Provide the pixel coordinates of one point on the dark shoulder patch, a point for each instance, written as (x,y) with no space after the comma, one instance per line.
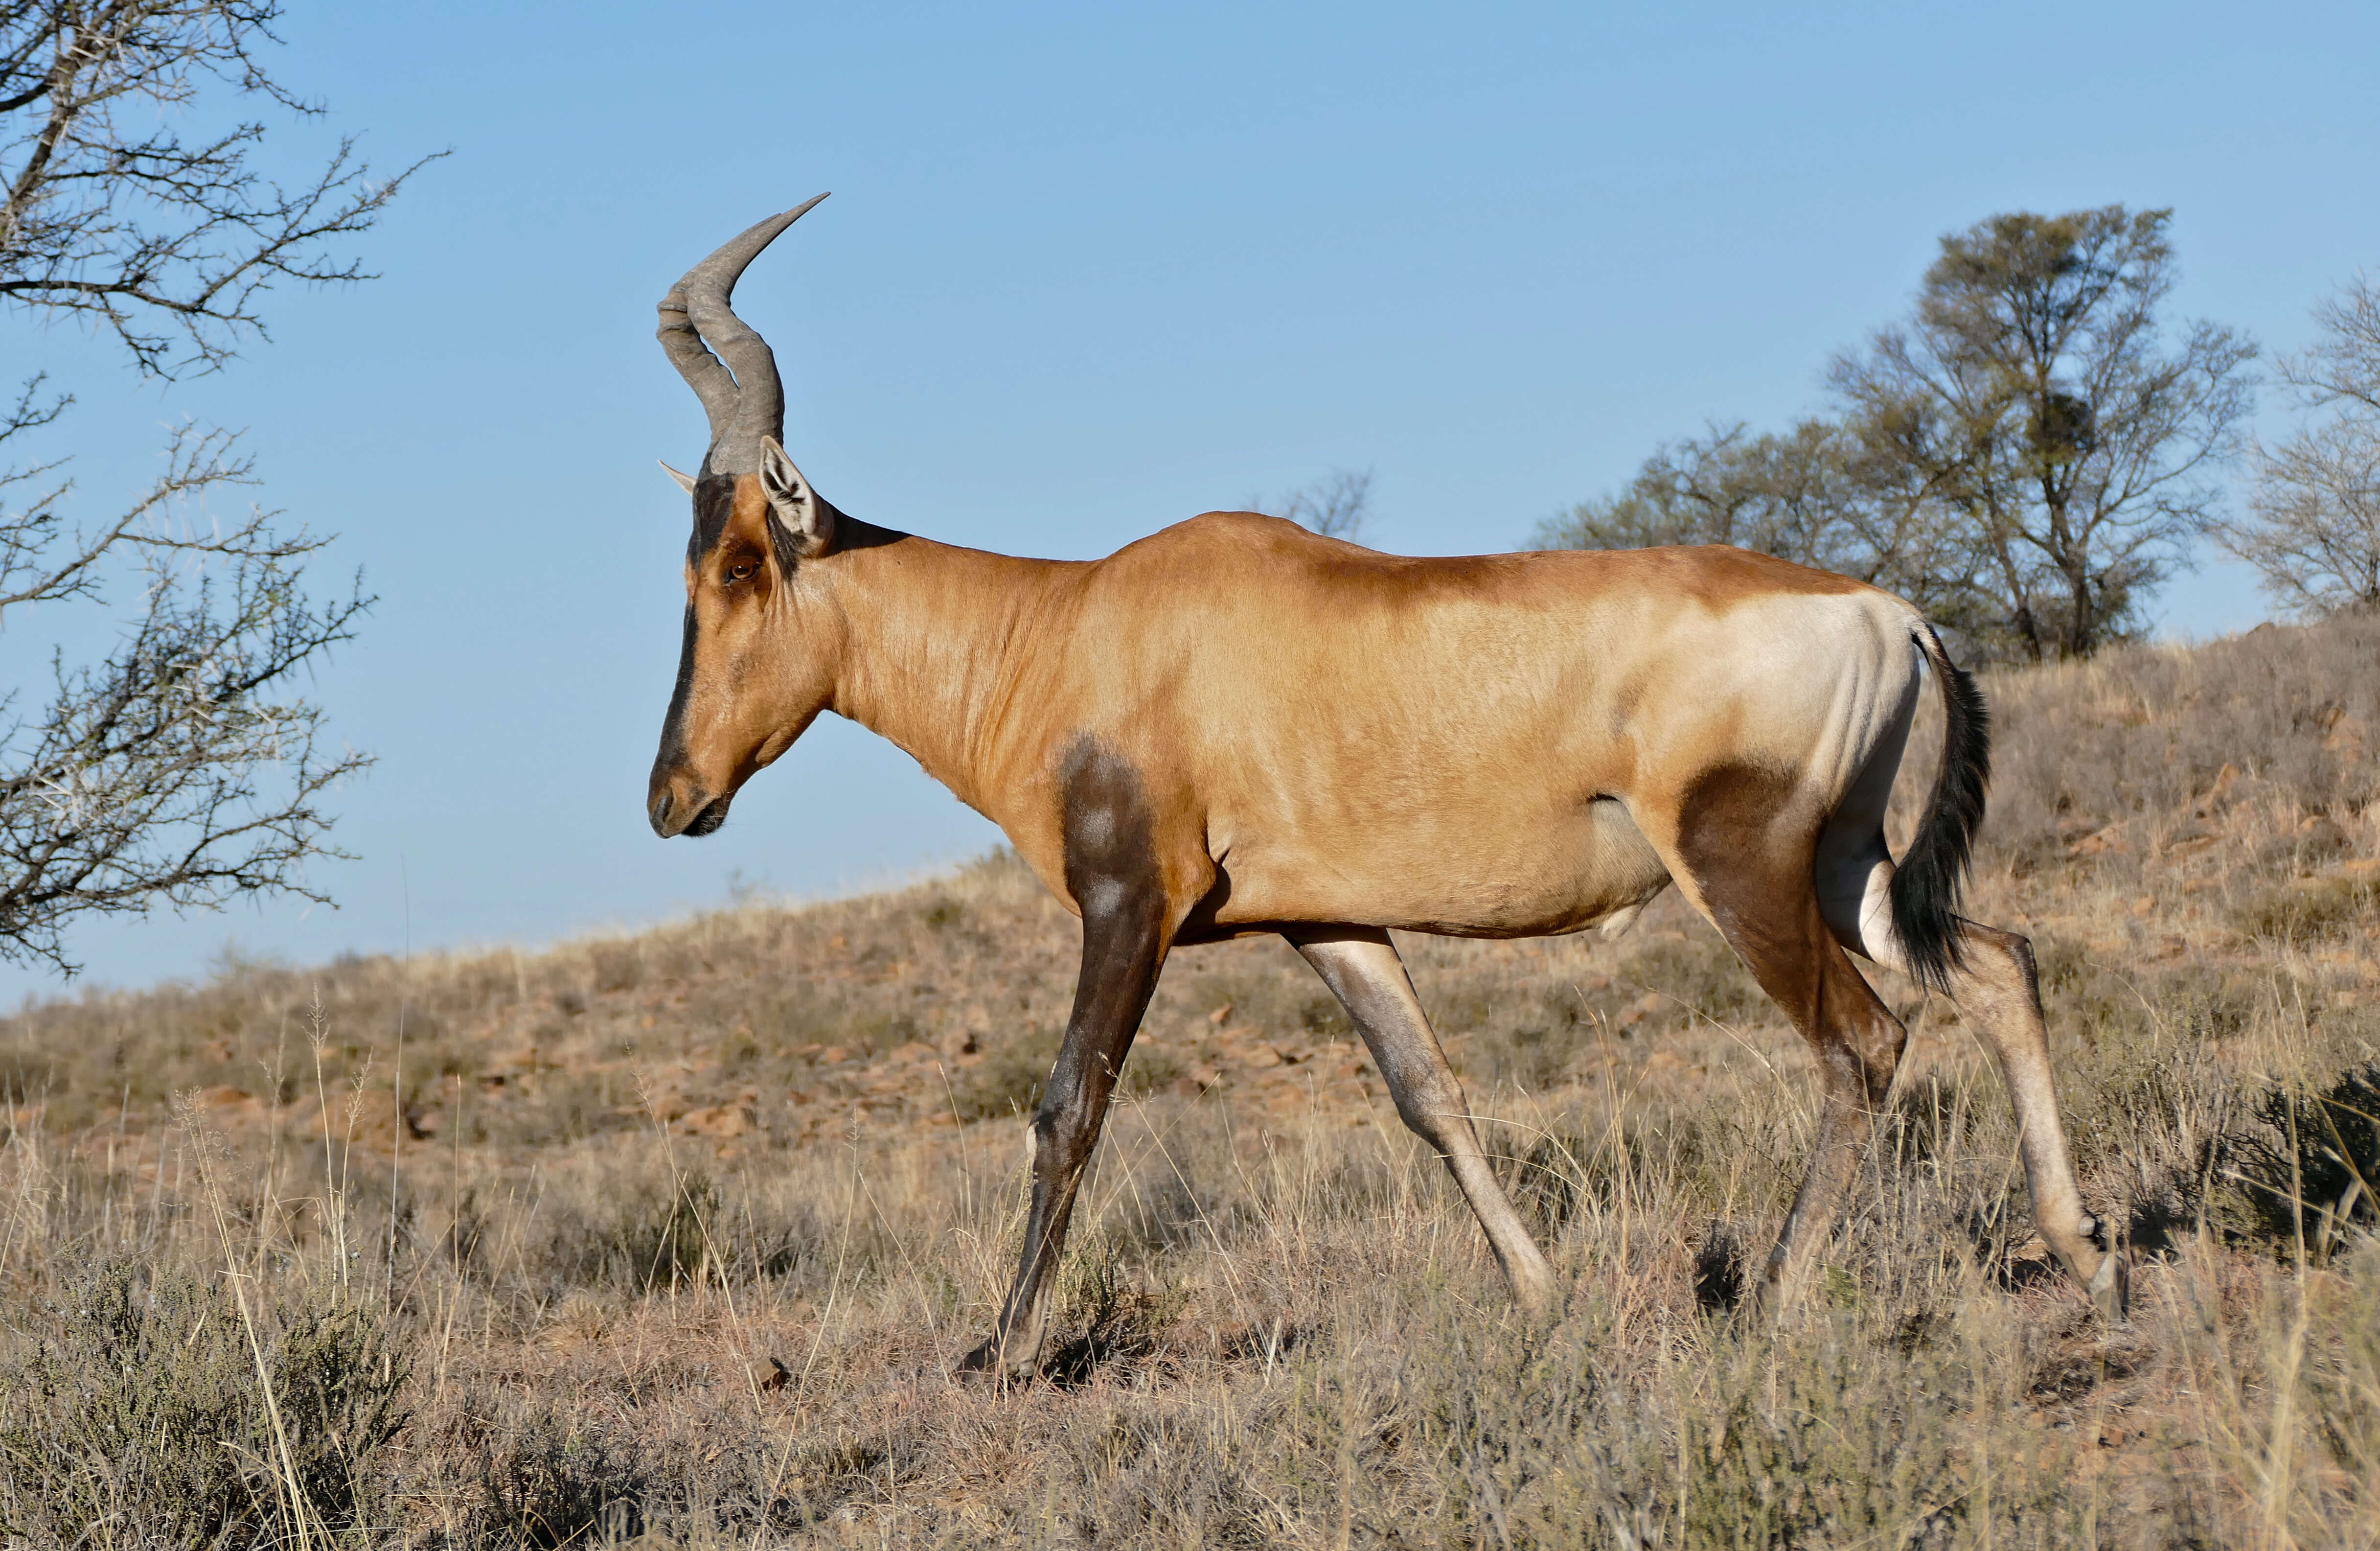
(1110,832)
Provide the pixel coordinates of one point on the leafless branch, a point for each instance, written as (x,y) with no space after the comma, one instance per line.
(181,769)
(2312,528)
(168,243)
(2343,366)
(1335,506)
(186,766)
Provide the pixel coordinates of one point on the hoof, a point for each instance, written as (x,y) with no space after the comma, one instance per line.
(1761,1309)
(1540,1305)
(987,1364)
(2110,1287)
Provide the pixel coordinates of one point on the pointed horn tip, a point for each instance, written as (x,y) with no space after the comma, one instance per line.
(726,262)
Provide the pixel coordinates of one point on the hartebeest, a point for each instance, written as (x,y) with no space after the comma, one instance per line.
(1235,727)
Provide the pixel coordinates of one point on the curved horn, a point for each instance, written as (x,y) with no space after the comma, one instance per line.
(738,387)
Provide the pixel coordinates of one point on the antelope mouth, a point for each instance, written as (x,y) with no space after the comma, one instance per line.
(703,819)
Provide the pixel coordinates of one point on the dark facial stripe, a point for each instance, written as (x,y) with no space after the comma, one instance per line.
(672,750)
(714,504)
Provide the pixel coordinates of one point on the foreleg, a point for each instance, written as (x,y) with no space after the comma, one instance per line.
(1129,916)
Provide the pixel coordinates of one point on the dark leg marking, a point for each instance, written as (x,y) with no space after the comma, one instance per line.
(1750,849)
(1113,873)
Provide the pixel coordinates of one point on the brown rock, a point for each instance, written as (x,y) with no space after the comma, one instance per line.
(722,1120)
(369,1120)
(1642,1009)
(2322,835)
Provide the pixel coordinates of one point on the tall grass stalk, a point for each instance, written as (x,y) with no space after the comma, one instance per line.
(203,1145)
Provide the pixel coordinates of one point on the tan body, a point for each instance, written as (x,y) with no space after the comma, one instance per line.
(1334,735)
(1234,727)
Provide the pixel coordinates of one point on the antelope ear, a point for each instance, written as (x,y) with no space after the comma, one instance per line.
(684,481)
(807,520)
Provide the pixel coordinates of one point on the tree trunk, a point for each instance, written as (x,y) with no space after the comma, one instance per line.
(2082,628)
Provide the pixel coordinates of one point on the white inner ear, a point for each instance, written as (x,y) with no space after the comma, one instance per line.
(790,497)
(684,481)
(784,484)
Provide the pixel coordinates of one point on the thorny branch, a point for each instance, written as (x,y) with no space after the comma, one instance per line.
(108,211)
(2312,527)
(184,766)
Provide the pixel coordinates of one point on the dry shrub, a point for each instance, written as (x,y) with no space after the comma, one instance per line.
(137,1417)
(2172,738)
(547,1481)
(674,1238)
(2303,1172)
(2302,915)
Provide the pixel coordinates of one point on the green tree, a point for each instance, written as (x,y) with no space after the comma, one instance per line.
(2025,458)
(1814,494)
(2036,401)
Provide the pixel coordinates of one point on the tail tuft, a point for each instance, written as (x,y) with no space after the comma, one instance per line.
(1926,885)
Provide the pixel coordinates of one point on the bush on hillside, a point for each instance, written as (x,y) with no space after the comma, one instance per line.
(138,1417)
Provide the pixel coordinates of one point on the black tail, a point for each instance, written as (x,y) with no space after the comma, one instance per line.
(1925,886)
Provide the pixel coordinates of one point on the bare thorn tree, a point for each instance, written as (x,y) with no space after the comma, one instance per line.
(112,214)
(183,767)
(2314,525)
(2343,366)
(1334,506)
(2025,458)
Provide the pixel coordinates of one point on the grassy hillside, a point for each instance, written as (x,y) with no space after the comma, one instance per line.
(676,1235)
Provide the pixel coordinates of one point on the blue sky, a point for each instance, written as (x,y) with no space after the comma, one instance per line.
(1089,270)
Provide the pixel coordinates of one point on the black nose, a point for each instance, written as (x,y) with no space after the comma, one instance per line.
(659,812)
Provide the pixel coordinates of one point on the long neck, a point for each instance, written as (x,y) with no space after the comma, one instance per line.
(932,635)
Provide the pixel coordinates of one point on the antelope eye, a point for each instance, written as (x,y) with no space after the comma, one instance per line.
(741,571)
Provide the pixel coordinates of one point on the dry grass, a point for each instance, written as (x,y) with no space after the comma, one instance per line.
(674,1237)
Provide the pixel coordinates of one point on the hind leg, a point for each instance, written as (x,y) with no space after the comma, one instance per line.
(1995,984)
(1742,846)
(1362,968)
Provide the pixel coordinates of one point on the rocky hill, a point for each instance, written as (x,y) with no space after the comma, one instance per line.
(677,1231)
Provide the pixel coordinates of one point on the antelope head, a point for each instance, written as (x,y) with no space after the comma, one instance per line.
(746,686)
